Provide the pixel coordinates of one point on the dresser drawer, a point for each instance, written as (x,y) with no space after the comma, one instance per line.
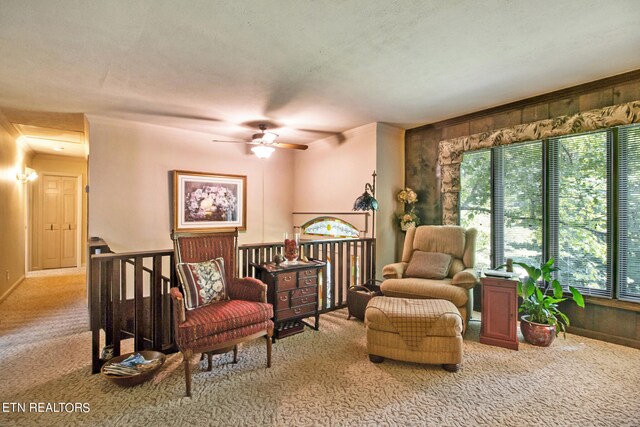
(307,281)
(309,299)
(312,290)
(308,273)
(282,301)
(286,281)
(303,310)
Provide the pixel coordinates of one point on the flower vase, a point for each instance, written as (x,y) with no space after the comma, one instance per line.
(291,247)
(407,225)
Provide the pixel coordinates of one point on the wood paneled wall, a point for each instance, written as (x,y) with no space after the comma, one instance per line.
(608,320)
(421,144)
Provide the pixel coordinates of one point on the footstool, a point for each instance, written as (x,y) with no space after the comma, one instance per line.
(414,330)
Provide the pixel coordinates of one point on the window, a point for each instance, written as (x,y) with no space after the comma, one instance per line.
(517,203)
(578,211)
(574,198)
(329,227)
(507,208)
(628,213)
(475,202)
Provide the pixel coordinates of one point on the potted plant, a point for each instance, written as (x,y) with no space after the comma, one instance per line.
(542,320)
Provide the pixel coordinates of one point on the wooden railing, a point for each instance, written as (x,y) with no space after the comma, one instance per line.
(349,262)
(129,298)
(129,292)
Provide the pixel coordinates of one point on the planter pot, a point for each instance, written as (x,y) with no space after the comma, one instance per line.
(537,333)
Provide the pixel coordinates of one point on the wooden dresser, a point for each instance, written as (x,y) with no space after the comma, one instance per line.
(293,291)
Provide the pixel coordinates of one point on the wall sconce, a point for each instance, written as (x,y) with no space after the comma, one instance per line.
(27,176)
(368,202)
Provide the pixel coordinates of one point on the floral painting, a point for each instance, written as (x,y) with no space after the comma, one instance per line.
(205,201)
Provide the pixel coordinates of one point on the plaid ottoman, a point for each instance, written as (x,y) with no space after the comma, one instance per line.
(414,330)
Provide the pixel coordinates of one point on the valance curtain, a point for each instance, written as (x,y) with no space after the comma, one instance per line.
(451,150)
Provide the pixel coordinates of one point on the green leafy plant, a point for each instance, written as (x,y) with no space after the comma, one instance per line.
(540,303)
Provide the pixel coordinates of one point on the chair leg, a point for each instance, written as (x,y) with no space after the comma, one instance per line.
(235,353)
(269,335)
(186,355)
(209,357)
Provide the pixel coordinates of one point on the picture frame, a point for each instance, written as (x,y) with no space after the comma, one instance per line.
(209,201)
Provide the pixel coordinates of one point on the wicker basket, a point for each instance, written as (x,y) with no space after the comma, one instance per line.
(358,297)
(131,380)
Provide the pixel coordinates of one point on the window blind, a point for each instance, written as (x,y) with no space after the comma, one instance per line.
(518,202)
(579,181)
(629,213)
(497,206)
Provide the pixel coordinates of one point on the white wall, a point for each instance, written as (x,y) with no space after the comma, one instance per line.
(13,195)
(130,182)
(390,167)
(332,173)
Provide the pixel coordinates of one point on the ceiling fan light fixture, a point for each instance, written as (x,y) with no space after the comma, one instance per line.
(269,137)
(266,137)
(262,151)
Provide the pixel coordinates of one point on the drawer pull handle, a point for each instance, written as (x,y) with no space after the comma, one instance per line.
(305,291)
(287,278)
(297,310)
(283,298)
(304,300)
(308,282)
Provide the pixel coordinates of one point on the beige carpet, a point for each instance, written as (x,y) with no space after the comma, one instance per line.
(317,378)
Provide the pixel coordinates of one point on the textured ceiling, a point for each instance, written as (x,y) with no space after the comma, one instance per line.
(312,67)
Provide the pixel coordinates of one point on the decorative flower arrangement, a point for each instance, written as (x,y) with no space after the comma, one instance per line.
(409,218)
(407,196)
(210,202)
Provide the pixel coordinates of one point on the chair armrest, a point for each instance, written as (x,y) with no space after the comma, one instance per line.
(466,279)
(248,289)
(178,305)
(394,271)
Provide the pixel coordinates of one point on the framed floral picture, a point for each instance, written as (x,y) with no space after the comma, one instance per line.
(205,201)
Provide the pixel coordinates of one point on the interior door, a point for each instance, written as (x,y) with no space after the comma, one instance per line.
(68,222)
(51,208)
(59,219)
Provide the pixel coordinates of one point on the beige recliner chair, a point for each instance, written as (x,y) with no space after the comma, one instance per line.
(435,242)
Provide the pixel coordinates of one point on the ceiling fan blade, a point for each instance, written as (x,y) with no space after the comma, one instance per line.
(285,145)
(234,142)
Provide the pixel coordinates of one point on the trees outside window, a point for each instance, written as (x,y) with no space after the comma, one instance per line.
(629,213)
(475,201)
(578,210)
(574,198)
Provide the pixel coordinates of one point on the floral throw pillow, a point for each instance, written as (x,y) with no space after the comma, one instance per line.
(202,282)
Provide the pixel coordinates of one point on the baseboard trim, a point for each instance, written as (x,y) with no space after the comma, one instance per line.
(11,289)
(627,342)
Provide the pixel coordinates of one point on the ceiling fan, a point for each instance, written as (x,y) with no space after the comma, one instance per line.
(264,143)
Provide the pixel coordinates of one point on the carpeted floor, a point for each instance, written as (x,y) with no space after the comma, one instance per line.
(317,378)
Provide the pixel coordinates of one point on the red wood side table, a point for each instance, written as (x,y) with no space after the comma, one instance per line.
(499,325)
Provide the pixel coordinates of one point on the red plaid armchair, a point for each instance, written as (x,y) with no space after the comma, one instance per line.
(219,326)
